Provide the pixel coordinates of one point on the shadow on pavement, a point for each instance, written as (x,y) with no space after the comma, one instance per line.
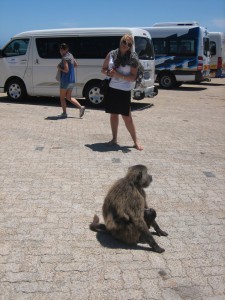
(55,118)
(196,86)
(54,101)
(185,88)
(108,241)
(106,147)
(140,106)
(42,101)
(209,83)
(190,89)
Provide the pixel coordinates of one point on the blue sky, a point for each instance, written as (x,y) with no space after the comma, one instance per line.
(22,15)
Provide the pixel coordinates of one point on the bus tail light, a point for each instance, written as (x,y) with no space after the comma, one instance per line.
(200,63)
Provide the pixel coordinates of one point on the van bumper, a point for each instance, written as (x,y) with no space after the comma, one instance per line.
(139,94)
(205,76)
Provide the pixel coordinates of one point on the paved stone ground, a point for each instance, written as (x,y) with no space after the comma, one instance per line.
(55,173)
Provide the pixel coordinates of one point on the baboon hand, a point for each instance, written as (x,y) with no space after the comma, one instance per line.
(158,249)
(160,232)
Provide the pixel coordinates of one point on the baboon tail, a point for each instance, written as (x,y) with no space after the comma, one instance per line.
(96,226)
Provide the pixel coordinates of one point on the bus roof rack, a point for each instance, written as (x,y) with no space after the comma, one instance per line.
(165,24)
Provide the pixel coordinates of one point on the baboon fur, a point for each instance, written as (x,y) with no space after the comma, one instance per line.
(125,211)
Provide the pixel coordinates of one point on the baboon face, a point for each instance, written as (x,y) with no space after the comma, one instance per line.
(139,176)
(146,181)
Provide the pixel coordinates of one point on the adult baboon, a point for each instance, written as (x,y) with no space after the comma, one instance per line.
(125,211)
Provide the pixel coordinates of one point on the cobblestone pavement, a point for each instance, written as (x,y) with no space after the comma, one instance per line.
(55,173)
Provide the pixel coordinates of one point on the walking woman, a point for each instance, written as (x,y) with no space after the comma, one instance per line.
(122,66)
(67,80)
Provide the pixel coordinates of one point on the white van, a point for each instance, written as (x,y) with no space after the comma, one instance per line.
(181,53)
(28,61)
(217,51)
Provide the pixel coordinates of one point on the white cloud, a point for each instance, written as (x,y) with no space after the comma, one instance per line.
(220,23)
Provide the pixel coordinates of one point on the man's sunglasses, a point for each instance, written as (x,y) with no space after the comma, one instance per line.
(127,44)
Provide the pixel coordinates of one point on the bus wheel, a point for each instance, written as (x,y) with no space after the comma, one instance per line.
(166,81)
(92,94)
(16,89)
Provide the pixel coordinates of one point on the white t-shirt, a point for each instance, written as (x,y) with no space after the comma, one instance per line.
(119,83)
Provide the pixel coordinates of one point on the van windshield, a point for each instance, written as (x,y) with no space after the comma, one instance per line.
(16,47)
(144,48)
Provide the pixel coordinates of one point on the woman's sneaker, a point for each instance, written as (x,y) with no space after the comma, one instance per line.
(82,110)
(63,116)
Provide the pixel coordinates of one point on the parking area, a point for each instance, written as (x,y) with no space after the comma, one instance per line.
(55,173)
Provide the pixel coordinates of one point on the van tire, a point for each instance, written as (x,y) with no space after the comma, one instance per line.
(16,90)
(92,94)
(167,81)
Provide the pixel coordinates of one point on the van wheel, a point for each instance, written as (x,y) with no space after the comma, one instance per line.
(16,89)
(166,81)
(92,94)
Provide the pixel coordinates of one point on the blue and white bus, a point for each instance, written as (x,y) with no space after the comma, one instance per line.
(182,53)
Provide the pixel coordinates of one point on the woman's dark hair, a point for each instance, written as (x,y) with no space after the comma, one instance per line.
(64,46)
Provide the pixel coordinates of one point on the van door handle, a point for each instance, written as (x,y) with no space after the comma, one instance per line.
(36,61)
(23,60)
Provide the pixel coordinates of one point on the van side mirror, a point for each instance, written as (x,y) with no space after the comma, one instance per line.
(1,53)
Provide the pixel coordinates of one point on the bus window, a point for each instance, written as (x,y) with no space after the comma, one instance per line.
(159,46)
(186,47)
(172,47)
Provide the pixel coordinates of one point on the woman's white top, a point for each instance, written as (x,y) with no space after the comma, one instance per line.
(119,83)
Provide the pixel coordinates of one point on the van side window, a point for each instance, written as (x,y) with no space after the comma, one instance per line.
(80,47)
(206,46)
(49,47)
(212,48)
(16,48)
(95,46)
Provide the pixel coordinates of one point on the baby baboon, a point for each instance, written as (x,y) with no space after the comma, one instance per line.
(125,211)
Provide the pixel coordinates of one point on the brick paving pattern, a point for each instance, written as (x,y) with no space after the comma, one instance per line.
(55,173)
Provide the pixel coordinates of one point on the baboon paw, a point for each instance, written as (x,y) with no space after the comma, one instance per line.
(161,233)
(164,233)
(158,249)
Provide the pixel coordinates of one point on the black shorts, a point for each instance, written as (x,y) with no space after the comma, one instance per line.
(118,102)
